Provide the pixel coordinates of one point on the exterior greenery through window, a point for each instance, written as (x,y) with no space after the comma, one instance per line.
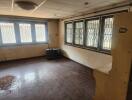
(16,32)
(93,33)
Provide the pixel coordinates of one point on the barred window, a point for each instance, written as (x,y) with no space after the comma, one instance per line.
(107,35)
(69,32)
(18,32)
(92,32)
(40,32)
(25,32)
(79,33)
(7,33)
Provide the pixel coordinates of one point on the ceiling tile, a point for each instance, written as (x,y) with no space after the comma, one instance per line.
(55,8)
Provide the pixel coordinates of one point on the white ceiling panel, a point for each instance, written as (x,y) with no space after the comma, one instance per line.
(5,3)
(54,8)
(99,3)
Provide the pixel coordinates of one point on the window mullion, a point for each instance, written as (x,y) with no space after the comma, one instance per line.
(73,33)
(85,34)
(100,34)
(65,33)
(0,38)
(46,32)
(17,33)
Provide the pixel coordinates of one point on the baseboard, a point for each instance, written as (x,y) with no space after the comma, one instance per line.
(10,60)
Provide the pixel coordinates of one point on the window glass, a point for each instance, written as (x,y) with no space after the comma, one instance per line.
(69,33)
(92,33)
(7,33)
(40,32)
(79,33)
(25,32)
(107,36)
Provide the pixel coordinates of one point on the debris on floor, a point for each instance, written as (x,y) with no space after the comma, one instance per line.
(6,82)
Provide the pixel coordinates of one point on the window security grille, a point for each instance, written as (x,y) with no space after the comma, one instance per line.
(107,36)
(79,33)
(69,31)
(92,33)
(7,33)
(40,32)
(25,33)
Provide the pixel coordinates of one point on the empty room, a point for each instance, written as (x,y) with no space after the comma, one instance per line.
(65,50)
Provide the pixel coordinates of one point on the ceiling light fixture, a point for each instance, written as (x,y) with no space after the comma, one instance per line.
(86,3)
(26,5)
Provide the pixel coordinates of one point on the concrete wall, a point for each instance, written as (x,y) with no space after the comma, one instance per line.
(27,51)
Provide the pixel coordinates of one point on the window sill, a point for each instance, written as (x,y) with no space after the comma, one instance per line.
(90,48)
(23,44)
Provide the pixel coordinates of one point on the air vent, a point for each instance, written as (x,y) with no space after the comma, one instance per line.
(26,5)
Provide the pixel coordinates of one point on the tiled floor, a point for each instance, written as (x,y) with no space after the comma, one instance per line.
(41,79)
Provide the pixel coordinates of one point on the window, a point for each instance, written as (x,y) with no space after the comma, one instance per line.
(25,33)
(7,33)
(92,32)
(107,35)
(40,32)
(79,33)
(69,33)
(18,32)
